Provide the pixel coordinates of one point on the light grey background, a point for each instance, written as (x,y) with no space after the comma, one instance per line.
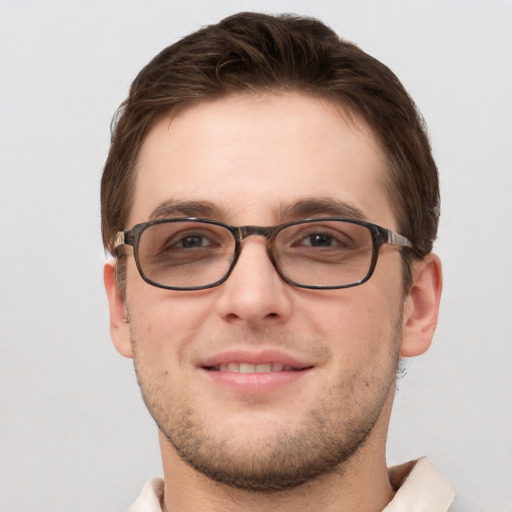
(74,434)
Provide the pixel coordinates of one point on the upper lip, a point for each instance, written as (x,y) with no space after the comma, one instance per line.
(254,357)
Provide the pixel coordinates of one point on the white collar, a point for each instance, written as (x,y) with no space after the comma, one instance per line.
(421,488)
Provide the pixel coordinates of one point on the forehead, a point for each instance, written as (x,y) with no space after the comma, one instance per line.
(252,156)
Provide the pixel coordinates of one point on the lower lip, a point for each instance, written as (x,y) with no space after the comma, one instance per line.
(255,383)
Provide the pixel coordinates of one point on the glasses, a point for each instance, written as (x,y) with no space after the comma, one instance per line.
(195,254)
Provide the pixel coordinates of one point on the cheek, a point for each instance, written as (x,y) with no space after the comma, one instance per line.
(163,322)
(358,323)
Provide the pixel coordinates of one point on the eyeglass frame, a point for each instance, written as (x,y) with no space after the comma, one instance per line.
(380,236)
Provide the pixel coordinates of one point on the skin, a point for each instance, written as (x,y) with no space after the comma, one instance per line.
(321,434)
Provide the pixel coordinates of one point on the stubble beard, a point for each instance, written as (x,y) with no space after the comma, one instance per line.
(326,441)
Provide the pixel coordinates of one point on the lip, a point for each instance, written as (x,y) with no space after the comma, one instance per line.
(294,370)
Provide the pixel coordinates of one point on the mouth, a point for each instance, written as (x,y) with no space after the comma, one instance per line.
(255,372)
(243,367)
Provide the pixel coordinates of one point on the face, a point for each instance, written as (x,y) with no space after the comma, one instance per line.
(256,383)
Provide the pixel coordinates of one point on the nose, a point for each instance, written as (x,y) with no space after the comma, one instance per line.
(254,294)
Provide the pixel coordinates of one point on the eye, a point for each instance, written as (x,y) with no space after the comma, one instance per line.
(180,243)
(319,240)
(188,241)
(192,241)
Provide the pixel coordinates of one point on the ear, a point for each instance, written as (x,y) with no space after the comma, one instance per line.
(119,327)
(421,307)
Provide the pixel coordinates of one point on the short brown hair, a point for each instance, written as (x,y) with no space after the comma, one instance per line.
(251,52)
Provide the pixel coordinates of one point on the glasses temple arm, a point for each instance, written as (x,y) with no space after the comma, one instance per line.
(396,239)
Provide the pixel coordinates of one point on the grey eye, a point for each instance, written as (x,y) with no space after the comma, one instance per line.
(319,240)
(193,241)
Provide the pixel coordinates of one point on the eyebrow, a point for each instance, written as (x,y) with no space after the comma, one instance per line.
(176,208)
(311,207)
(301,209)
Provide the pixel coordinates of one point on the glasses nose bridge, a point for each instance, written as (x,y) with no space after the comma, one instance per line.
(245,231)
(268,232)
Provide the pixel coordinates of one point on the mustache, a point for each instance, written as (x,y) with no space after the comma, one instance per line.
(273,337)
(269,337)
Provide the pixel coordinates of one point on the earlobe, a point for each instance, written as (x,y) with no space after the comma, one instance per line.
(421,307)
(119,327)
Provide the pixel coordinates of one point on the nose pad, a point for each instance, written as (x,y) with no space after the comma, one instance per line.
(254,264)
(254,290)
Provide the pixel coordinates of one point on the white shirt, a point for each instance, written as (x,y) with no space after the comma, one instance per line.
(421,488)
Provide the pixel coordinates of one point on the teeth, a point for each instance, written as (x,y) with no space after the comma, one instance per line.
(232,367)
(263,368)
(247,368)
(253,368)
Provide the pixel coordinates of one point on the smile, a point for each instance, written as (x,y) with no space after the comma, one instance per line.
(239,367)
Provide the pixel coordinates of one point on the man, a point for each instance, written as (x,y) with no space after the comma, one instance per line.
(272,201)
